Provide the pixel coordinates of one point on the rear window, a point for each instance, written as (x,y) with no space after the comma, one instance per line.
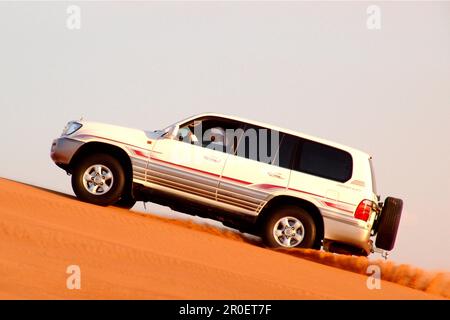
(325,161)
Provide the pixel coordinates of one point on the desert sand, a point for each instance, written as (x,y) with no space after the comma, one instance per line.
(129,255)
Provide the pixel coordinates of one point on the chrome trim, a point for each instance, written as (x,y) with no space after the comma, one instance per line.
(178,174)
(201,184)
(198,198)
(242,196)
(139,167)
(181,180)
(183,187)
(337,216)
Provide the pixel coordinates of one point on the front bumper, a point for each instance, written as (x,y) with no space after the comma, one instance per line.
(63,149)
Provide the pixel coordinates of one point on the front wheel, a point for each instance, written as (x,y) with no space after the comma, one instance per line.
(98,179)
(289,227)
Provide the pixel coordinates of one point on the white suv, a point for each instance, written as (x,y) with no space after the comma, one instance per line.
(291,189)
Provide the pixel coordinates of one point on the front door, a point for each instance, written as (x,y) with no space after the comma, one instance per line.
(184,164)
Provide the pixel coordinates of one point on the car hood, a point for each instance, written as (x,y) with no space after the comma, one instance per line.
(118,134)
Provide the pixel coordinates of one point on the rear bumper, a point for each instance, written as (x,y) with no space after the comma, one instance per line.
(349,231)
(63,149)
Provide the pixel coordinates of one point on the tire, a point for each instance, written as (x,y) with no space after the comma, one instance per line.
(126,202)
(88,173)
(389,222)
(274,229)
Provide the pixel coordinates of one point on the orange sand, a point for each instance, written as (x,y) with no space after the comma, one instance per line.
(127,255)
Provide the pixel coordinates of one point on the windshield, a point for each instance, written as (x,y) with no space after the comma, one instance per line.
(165,130)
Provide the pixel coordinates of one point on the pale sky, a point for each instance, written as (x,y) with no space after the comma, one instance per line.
(310,67)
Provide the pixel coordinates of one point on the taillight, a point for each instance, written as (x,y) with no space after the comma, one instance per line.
(363,210)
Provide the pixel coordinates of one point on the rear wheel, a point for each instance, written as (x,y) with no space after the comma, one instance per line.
(388,224)
(98,179)
(289,227)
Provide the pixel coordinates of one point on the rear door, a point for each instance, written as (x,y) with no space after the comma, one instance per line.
(320,173)
(259,167)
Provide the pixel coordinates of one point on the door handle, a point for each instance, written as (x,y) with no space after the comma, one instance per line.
(211,158)
(274,174)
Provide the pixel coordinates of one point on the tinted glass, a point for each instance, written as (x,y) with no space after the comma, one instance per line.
(267,146)
(325,161)
(286,152)
(259,144)
(211,132)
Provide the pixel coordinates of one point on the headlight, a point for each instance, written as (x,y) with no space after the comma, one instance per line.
(71,127)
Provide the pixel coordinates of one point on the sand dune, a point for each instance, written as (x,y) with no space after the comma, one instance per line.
(127,255)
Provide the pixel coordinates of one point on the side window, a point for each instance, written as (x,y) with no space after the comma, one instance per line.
(186,133)
(286,152)
(324,161)
(214,133)
(221,134)
(258,143)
